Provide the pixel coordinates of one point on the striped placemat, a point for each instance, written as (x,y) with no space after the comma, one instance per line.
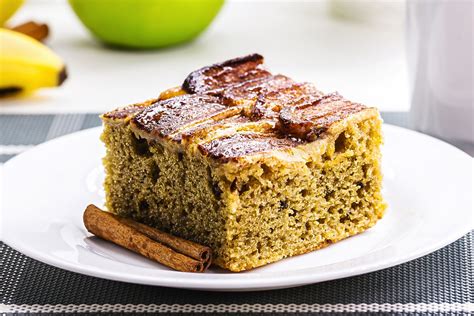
(441,283)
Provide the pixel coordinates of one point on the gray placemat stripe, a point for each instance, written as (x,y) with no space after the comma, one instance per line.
(444,276)
(91,120)
(10,274)
(24,129)
(65,124)
(241,308)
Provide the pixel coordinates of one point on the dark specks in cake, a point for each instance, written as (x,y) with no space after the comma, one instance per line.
(214,185)
(344,219)
(355,206)
(233,186)
(361,189)
(143,206)
(180,156)
(267,171)
(366,168)
(154,172)
(140,146)
(244,188)
(209,173)
(216,190)
(341,143)
(283,205)
(329,194)
(158,147)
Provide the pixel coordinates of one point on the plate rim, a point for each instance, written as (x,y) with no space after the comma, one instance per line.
(264,281)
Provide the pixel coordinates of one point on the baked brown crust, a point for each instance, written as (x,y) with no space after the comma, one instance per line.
(248,91)
(223,74)
(310,119)
(238,145)
(122,113)
(237,108)
(168,116)
(125,113)
(269,103)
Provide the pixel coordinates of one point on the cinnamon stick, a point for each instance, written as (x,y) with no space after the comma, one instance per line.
(38,31)
(113,228)
(186,247)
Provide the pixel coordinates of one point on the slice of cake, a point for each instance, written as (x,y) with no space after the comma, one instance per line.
(254,165)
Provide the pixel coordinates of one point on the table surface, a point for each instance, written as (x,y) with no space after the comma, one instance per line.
(364,61)
(440,283)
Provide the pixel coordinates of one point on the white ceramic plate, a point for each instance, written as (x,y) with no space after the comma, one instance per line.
(428,186)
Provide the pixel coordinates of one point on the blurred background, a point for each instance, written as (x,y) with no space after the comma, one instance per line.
(384,53)
(354,47)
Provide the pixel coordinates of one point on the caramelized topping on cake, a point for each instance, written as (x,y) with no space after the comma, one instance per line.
(243,144)
(205,128)
(237,108)
(270,101)
(171,93)
(168,116)
(249,91)
(127,111)
(308,121)
(224,74)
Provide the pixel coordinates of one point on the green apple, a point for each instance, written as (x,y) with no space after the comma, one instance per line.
(146,23)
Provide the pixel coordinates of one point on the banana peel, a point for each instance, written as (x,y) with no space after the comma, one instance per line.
(26,64)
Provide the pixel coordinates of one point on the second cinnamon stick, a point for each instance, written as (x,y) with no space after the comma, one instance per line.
(110,227)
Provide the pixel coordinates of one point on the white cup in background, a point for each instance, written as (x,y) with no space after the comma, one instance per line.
(440,56)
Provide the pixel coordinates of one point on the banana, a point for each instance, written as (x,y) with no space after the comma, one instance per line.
(8,8)
(26,64)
